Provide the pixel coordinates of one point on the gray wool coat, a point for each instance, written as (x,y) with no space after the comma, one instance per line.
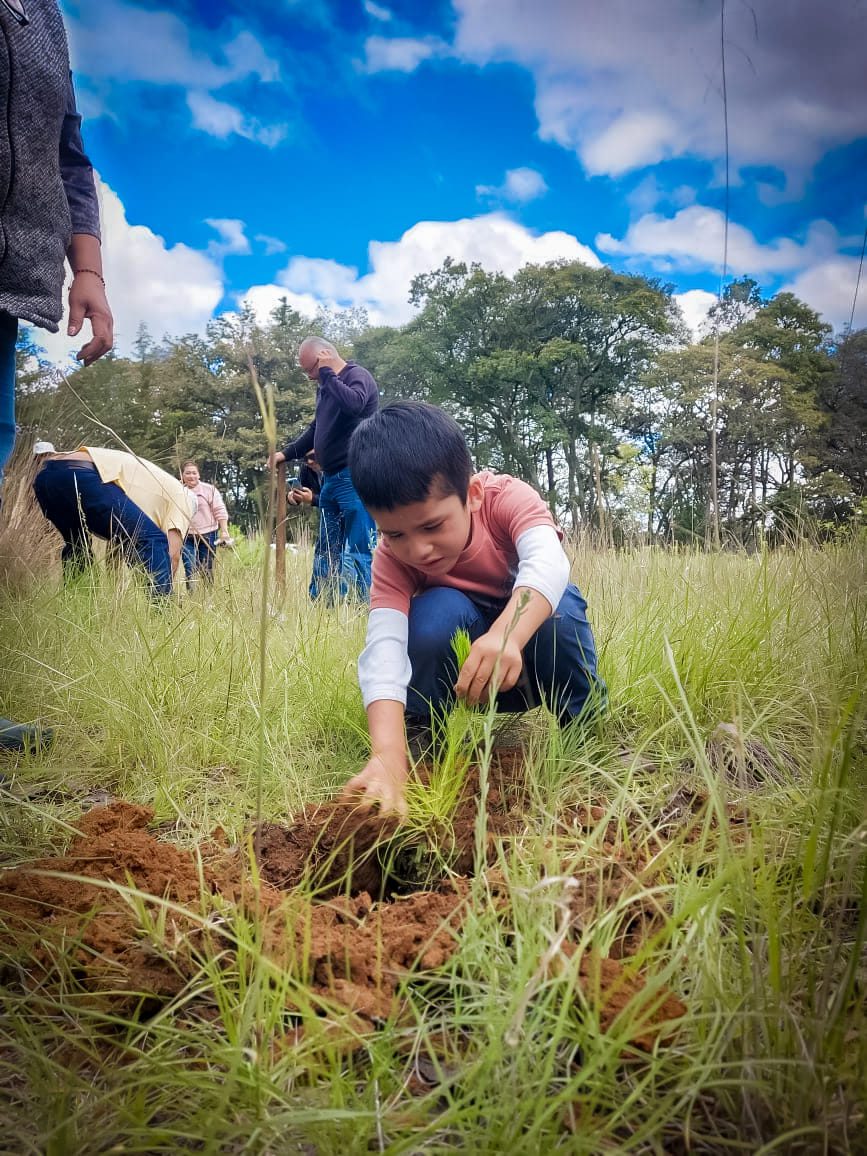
(47,191)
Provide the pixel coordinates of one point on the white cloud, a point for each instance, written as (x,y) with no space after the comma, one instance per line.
(633,140)
(694,239)
(173,289)
(400,53)
(829,288)
(220,119)
(493,240)
(649,193)
(265,298)
(628,84)
(520,185)
(124,42)
(694,305)
(377,12)
(115,44)
(271,245)
(232,238)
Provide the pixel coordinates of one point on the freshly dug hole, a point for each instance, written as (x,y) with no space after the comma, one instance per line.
(337,848)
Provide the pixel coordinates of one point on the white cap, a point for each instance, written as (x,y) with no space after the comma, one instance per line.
(44,448)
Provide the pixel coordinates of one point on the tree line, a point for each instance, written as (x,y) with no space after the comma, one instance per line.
(584,382)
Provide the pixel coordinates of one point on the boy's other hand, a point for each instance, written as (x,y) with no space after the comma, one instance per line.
(382,782)
(475,681)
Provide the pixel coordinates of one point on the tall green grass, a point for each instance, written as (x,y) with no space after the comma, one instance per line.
(762,925)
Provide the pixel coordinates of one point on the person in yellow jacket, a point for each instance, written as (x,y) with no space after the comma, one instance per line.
(121,497)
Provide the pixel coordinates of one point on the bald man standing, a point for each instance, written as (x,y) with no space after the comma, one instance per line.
(346,394)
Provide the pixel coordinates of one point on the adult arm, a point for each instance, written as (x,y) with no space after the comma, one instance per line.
(87,298)
(175,542)
(352,392)
(302,445)
(221,514)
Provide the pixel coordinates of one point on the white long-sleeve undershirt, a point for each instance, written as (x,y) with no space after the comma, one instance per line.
(384,670)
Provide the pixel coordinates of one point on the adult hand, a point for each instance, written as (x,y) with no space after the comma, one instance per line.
(87,301)
(303,496)
(329,361)
(275,459)
(382,783)
(489,654)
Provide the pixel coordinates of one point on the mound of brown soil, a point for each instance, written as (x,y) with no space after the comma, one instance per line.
(130,919)
(338,849)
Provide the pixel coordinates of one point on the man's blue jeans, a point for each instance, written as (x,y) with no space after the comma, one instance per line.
(559,660)
(72,495)
(197,555)
(8,337)
(347,535)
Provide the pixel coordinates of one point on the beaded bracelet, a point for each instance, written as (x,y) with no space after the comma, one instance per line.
(75,273)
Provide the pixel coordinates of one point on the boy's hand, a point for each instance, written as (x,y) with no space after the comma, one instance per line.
(474,683)
(383,781)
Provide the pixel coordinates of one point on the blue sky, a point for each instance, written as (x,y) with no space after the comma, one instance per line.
(329,151)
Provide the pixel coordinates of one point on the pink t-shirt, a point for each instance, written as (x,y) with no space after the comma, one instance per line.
(489,563)
(210,509)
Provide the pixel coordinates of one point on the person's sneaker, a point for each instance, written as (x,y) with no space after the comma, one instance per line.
(512,731)
(419,737)
(23,737)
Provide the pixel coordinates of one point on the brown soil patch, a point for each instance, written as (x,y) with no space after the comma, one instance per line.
(626,855)
(348,937)
(337,849)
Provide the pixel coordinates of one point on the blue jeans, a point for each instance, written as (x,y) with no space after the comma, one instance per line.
(345,542)
(73,496)
(320,569)
(8,337)
(197,555)
(559,660)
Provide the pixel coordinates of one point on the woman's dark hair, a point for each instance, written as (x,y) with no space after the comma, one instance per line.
(189,463)
(398,455)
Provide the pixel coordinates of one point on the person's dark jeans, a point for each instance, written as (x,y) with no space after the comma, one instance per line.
(320,571)
(8,337)
(347,535)
(72,495)
(197,555)
(559,660)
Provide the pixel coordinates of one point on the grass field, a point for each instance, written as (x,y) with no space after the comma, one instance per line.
(661,947)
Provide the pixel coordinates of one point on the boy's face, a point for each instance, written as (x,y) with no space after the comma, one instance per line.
(430,535)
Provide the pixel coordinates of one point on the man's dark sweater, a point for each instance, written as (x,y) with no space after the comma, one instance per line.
(342,401)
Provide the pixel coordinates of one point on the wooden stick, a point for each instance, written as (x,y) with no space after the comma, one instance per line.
(280,529)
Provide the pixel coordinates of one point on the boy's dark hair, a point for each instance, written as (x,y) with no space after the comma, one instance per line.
(397,455)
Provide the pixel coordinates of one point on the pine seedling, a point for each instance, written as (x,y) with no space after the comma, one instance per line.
(436,801)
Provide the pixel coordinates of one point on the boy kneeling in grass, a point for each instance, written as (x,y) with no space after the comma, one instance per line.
(478,552)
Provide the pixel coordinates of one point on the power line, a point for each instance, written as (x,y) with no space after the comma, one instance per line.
(858,281)
(714,401)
